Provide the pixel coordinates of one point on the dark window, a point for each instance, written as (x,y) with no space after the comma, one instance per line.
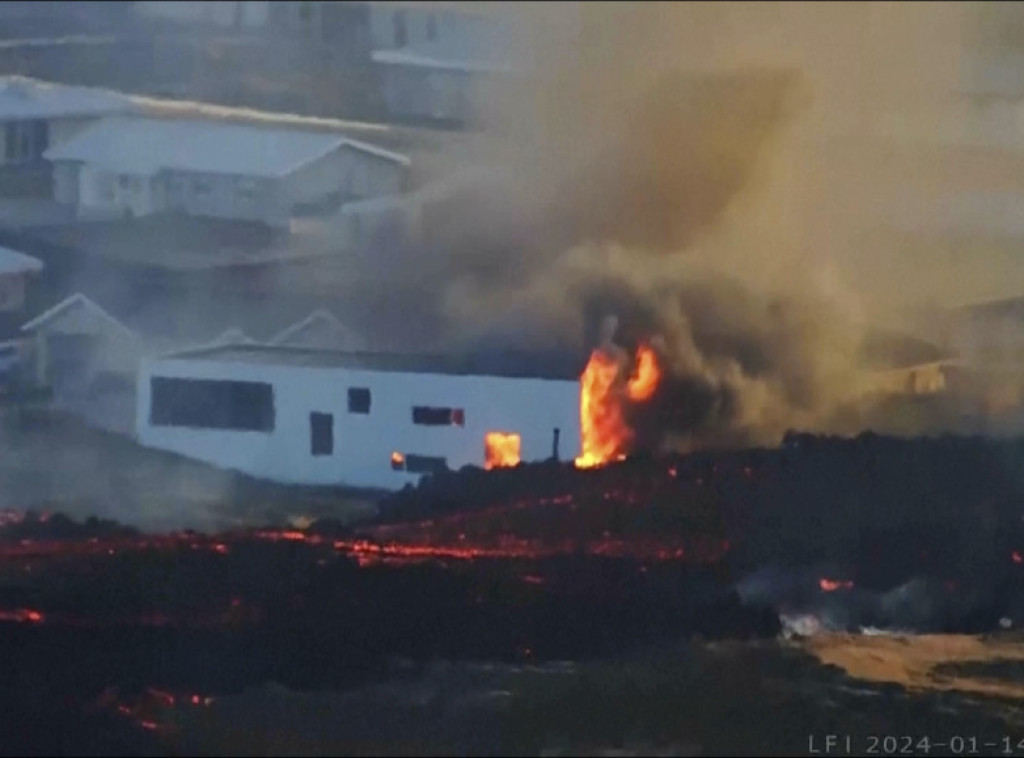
(358,400)
(425,464)
(211,404)
(321,433)
(401,31)
(425,416)
(41,137)
(11,141)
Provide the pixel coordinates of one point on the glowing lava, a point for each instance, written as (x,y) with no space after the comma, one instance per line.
(604,430)
(831,585)
(501,450)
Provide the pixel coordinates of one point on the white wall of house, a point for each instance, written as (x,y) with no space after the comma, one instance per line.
(347,172)
(363,444)
(106,194)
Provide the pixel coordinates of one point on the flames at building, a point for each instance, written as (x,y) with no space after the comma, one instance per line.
(503,450)
(606,393)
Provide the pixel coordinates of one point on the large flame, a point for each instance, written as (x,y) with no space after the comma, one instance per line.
(605,432)
(502,450)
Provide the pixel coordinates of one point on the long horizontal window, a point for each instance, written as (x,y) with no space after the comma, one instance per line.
(427,416)
(418,464)
(212,404)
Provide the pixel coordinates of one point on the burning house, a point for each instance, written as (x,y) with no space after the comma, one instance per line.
(317,417)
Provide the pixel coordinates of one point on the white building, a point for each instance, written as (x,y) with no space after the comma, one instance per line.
(142,166)
(15,270)
(35,115)
(357,419)
(88,358)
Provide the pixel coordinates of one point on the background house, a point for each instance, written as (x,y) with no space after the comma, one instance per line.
(16,269)
(434,63)
(88,359)
(321,330)
(357,419)
(139,166)
(35,116)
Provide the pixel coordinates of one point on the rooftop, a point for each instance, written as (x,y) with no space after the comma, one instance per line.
(13,262)
(146,146)
(22,98)
(504,364)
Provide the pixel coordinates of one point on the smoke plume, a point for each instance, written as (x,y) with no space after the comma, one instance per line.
(660,166)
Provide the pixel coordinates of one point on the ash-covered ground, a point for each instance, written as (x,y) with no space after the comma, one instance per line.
(700,604)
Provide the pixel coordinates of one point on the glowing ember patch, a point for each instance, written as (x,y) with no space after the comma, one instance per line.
(501,450)
(1017,557)
(831,585)
(23,615)
(397,461)
(645,380)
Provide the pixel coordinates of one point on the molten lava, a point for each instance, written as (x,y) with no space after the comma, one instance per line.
(605,432)
(502,450)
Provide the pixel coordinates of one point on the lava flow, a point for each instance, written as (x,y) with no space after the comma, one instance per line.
(606,435)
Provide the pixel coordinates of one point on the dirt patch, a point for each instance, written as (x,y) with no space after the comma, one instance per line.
(925,662)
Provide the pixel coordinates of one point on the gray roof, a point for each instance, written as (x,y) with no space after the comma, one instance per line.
(145,146)
(22,98)
(13,262)
(504,364)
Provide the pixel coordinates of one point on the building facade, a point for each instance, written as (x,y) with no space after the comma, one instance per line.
(139,167)
(354,419)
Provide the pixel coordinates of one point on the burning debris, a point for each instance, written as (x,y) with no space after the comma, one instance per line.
(502,450)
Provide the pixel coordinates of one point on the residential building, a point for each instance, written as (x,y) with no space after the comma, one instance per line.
(142,166)
(356,419)
(37,115)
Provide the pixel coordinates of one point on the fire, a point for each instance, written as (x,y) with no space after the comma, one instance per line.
(831,585)
(501,450)
(643,383)
(605,431)
(397,460)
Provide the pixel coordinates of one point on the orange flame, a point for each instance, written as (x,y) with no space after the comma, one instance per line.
(604,430)
(643,383)
(397,459)
(831,585)
(501,450)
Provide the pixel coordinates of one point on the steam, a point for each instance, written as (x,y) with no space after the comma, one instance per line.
(666,175)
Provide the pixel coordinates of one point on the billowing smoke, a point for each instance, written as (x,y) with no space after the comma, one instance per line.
(660,166)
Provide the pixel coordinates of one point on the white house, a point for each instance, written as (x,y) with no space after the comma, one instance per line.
(15,269)
(35,115)
(142,166)
(435,62)
(357,419)
(88,358)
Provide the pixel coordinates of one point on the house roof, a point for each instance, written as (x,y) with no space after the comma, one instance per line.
(232,336)
(145,146)
(486,46)
(22,98)
(320,329)
(505,364)
(13,262)
(77,314)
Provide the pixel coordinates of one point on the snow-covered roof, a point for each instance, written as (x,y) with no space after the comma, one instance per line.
(78,315)
(145,146)
(475,48)
(232,336)
(22,98)
(321,329)
(13,262)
